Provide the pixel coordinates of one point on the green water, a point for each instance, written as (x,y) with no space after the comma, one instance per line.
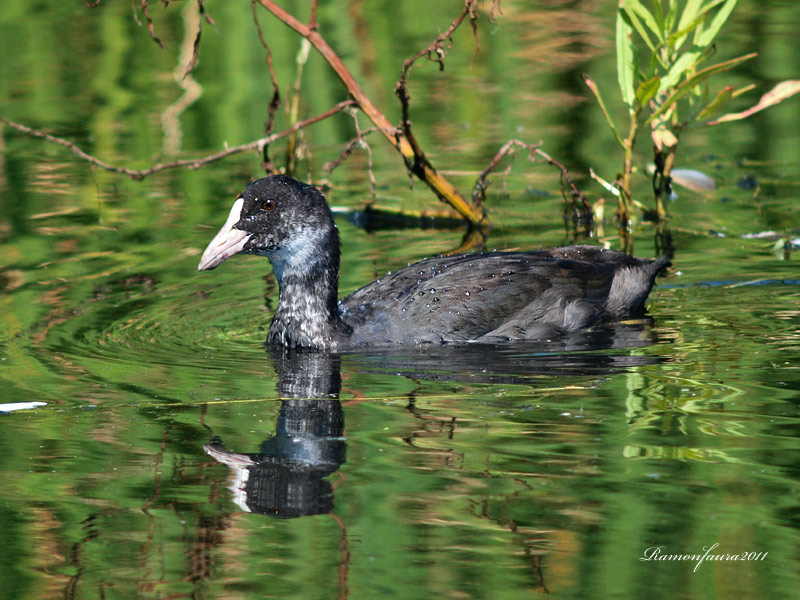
(512,472)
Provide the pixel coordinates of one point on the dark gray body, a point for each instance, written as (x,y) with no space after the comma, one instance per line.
(498,296)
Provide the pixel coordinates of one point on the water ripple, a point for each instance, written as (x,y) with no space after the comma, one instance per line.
(138,321)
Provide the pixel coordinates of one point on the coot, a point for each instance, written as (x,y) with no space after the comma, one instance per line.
(478,297)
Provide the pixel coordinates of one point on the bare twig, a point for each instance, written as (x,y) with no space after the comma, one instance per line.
(204,12)
(510,148)
(312,21)
(190,163)
(135,14)
(576,194)
(370,167)
(275,102)
(356,142)
(331,165)
(195,48)
(150,26)
(296,145)
(276,94)
(479,189)
(435,52)
(495,10)
(359,141)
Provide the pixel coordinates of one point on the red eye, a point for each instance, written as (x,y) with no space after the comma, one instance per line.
(268,204)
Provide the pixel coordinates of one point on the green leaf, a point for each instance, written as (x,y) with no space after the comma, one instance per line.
(626,61)
(686,62)
(652,64)
(782,91)
(658,14)
(637,8)
(593,87)
(690,13)
(673,39)
(697,78)
(713,107)
(632,21)
(647,90)
(779,249)
(743,90)
(691,17)
(703,36)
(672,16)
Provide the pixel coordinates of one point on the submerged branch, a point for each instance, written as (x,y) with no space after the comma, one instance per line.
(190,163)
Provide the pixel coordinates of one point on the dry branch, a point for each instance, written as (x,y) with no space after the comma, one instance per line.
(436,49)
(150,26)
(359,141)
(576,194)
(191,163)
(415,160)
(275,101)
(510,148)
(401,137)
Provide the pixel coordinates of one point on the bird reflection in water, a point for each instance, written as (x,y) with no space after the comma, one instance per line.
(286,478)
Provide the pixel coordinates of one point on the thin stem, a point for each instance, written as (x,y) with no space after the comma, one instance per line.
(312,21)
(625,204)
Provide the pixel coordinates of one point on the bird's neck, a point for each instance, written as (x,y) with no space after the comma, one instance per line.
(308,278)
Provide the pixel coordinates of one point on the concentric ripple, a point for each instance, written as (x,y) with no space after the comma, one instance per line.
(140,335)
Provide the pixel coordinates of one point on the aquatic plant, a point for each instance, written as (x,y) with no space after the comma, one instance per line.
(665,89)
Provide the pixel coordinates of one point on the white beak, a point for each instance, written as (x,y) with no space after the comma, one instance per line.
(227,242)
